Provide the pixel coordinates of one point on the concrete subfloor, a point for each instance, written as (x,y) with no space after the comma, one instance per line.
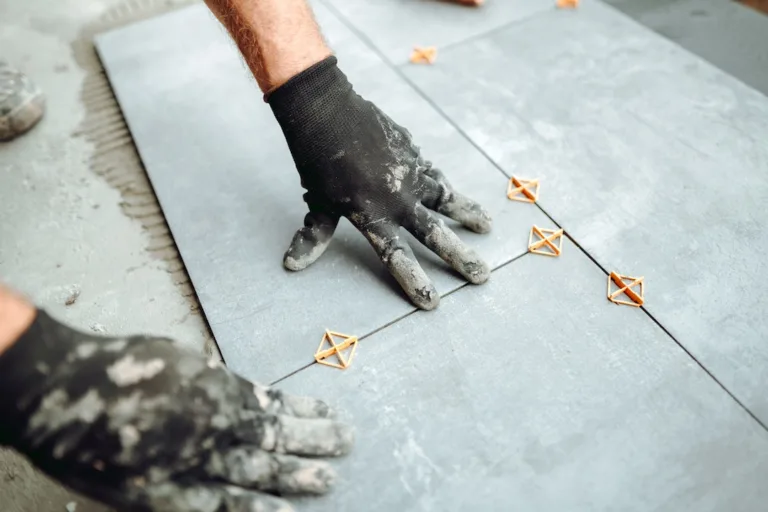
(76,180)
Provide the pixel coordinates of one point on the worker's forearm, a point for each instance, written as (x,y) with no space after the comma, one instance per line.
(278,38)
(16,315)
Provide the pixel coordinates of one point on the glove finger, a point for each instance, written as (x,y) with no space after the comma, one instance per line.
(399,260)
(440,196)
(311,241)
(298,436)
(273,401)
(251,467)
(440,239)
(170,497)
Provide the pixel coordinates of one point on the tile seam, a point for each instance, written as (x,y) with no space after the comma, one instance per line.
(397,69)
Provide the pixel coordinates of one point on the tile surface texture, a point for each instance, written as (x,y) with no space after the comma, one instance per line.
(396,26)
(536,393)
(231,194)
(730,35)
(50,214)
(652,159)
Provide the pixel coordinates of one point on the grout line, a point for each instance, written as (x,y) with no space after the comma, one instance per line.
(495,30)
(445,116)
(677,342)
(397,69)
(413,86)
(291,374)
(469,39)
(403,316)
(361,338)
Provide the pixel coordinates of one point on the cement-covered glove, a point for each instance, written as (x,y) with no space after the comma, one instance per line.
(140,423)
(355,162)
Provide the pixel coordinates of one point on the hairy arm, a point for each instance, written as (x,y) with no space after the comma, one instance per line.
(278,38)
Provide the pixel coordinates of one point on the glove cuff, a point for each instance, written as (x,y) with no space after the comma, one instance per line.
(314,80)
(309,97)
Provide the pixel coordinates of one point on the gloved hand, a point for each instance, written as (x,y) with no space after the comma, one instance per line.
(142,424)
(355,162)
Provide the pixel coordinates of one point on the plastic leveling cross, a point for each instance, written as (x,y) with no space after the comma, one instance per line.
(632,287)
(426,55)
(343,352)
(526,191)
(567,4)
(549,242)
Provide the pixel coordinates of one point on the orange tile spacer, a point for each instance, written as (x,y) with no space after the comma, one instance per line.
(567,4)
(426,55)
(547,238)
(519,189)
(322,355)
(637,298)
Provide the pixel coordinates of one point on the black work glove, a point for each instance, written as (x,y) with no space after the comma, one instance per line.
(141,424)
(355,162)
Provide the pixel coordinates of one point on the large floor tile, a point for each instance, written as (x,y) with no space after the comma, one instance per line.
(730,35)
(655,162)
(231,195)
(535,393)
(395,27)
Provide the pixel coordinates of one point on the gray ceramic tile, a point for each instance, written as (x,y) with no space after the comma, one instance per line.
(730,35)
(228,188)
(655,161)
(396,26)
(535,393)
